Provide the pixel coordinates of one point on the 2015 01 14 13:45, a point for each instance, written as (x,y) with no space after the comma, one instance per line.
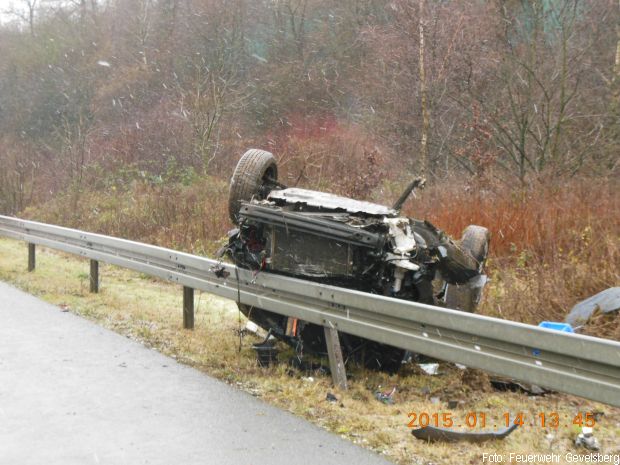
(482,419)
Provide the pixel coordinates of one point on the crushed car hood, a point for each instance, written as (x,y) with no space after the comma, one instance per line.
(328,201)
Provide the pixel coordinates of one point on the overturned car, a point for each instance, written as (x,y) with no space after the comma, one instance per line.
(349,243)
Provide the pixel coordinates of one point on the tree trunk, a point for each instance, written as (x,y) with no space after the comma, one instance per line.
(616,76)
(423,164)
(32,4)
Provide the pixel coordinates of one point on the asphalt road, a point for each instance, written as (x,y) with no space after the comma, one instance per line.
(72,392)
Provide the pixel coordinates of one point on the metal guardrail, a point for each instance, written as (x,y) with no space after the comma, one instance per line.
(585,366)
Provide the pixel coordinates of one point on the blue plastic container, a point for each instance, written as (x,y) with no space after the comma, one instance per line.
(563,327)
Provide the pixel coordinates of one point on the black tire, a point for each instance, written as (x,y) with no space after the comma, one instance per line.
(475,241)
(255,169)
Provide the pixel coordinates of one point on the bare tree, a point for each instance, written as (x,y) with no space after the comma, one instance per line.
(531,99)
(290,15)
(616,72)
(25,11)
(423,103)
(213,88)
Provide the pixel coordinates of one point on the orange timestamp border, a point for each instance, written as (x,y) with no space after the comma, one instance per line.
(473,420)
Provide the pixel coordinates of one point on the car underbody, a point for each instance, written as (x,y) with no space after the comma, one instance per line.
(349,243)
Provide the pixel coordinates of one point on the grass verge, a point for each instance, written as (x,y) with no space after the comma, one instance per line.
(149,311)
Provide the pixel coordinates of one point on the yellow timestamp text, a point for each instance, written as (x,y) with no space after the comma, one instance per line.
(473,420)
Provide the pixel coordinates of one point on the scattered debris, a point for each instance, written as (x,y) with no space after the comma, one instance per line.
(253,328)
(331,398)
(607,301)
(586,439)
(308,379)
(386,397)
(435,434)
(220,272)
(266,353)
(307,366)
(507,384)
(452,404)
(429,368)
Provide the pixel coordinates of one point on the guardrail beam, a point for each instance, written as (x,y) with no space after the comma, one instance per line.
(571,363)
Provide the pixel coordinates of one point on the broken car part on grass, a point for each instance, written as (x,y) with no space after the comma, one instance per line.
(349,243)
(436,434)
(607,301)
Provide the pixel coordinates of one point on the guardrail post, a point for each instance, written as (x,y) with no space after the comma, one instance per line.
(94,276)
(336,362)
(188,307)
(31,257)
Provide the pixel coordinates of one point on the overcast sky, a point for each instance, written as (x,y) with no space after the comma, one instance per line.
(20,5)
(6,5)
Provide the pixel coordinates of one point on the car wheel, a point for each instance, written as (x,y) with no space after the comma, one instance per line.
(255,170)
(465,297)
(475,240)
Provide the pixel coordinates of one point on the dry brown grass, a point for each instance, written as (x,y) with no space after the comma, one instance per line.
(552,246)
(547,220)
(149,311)
(192,218)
